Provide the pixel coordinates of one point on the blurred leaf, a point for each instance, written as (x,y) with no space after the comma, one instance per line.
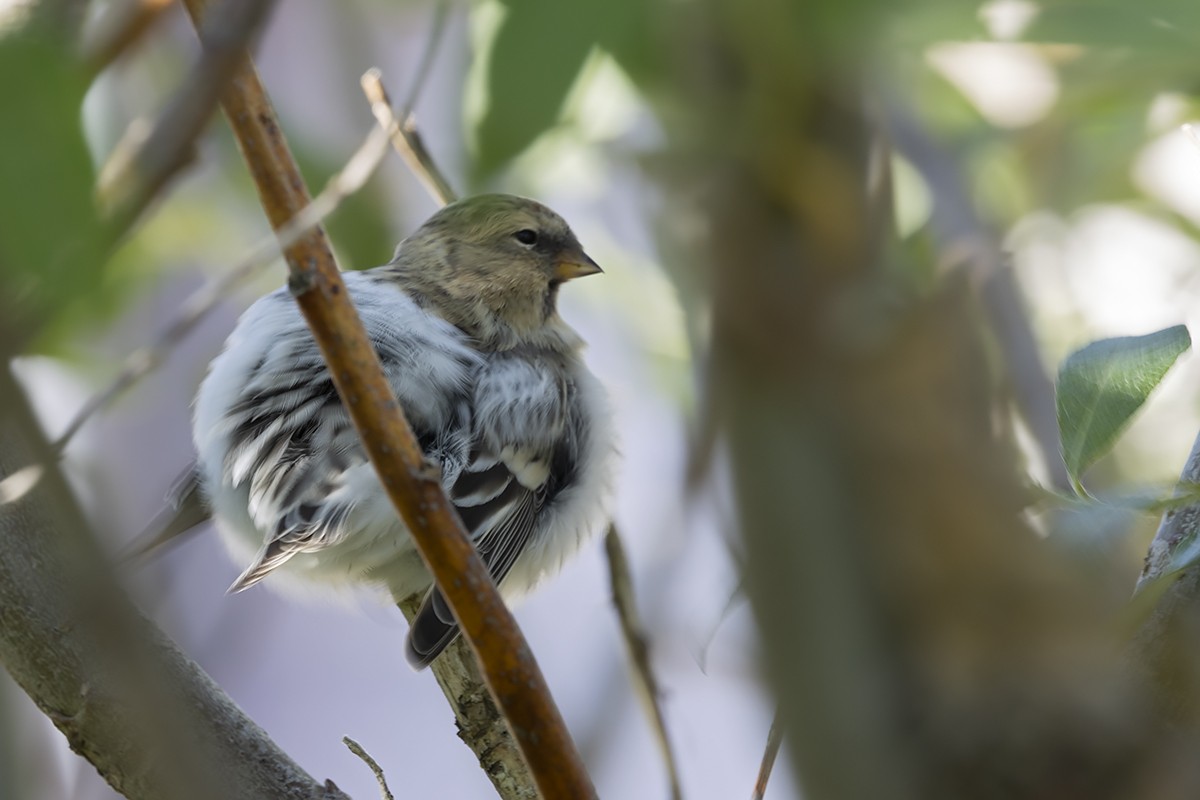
(359,229)
(1101,386)
(539,48)
(1154,25)
(50,235)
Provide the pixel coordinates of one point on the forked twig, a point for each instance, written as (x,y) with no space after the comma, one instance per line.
(406,139)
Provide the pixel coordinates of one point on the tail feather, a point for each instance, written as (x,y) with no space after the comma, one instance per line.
(185,510)
(432,631)
(268,559)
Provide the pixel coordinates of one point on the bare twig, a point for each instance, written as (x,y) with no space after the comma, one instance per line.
(358,750)
(143,361)
(407,140)
(147,156)
(350,179)
(437,30)
(774,740)
(507,663)
(634,634)
(121,26)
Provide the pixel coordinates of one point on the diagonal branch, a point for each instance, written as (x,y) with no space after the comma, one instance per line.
(144,160)
(1164,644)
(507,663)
(147,717)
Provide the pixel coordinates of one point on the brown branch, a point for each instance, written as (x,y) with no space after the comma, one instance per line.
(774,740)
(350,179)
(480,724)
(634,634)
(507,663)
(147,717)
(144,360)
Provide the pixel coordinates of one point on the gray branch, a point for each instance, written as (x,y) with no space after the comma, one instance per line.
(147,717)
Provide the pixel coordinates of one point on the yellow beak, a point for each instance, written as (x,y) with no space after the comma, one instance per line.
(573,265)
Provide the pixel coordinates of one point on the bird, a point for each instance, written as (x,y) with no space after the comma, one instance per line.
(492,381)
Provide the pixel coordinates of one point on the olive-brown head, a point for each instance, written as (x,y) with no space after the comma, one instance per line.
(492,265)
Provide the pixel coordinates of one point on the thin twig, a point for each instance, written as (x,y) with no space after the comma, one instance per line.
(774,740)
(122,25)
(148,155)
(406,140)
(507,663)
(350,179)
(143,361)
(639,651)
(437,30)
(358,750)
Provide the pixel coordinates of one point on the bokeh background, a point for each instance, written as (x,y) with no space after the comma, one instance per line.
(1060,124)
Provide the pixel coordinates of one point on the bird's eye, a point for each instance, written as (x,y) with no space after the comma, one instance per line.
(526,237)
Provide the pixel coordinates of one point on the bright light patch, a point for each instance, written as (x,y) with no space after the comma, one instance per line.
(1006,20)
(1010,84)
(913,201)
(1126,270)
(1168,169)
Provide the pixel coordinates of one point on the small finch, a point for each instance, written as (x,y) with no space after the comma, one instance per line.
(465,322)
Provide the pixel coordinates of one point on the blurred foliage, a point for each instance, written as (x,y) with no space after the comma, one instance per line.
(359,229)
(525,95)
(51,240)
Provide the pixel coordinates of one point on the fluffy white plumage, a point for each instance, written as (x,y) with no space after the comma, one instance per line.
(490,377)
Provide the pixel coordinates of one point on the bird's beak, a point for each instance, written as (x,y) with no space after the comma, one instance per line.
(574,264)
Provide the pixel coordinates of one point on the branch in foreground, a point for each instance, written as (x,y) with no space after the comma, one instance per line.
(507,663)
(967,243)
(147,717)
(1164,647)
(144,160)
(143,361)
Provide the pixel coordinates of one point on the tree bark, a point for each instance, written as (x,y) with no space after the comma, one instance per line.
(148,718)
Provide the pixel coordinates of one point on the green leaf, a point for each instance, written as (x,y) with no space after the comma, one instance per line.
(50,233)
(539,49)
(1101,386)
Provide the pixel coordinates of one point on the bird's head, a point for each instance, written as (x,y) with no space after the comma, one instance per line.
(492,265)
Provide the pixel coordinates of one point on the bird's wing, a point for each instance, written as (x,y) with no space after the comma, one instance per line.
(519,410)
(290,446)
